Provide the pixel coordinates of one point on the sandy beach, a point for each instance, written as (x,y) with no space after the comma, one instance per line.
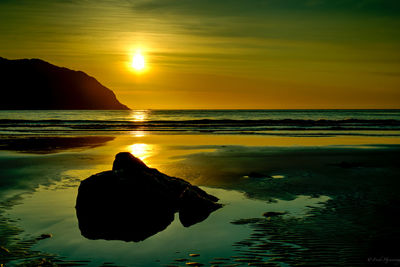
(330,190)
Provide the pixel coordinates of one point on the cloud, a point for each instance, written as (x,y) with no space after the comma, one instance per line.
(312,20)
(263,7)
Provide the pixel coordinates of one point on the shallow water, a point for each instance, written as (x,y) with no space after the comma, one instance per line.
(51,210)
(50,207)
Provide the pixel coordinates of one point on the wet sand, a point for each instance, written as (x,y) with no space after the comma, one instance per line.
(354,179)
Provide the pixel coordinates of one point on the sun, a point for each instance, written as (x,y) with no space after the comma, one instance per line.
(138,62)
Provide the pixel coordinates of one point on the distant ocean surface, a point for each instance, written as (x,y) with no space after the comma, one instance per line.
(262,122)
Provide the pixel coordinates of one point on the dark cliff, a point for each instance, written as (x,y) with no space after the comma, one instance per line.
(36,84)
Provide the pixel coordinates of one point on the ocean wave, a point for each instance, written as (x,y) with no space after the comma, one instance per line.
(320,127)
(212,122)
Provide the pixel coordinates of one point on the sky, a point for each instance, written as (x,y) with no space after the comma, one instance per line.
(219,54)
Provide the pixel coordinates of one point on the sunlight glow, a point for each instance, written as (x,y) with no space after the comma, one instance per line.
(139,115)
(142,151)
(138,133)
(138,61)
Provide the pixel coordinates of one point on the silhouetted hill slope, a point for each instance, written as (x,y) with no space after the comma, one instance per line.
(36,84)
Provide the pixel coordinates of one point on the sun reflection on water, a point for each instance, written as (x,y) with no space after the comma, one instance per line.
(139,115)
(138,133)
(142,151)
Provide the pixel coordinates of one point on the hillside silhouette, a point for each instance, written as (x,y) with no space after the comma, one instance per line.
(36,84)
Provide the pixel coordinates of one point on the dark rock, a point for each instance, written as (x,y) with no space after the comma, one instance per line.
(133,201)
(44,236)
(273,213)
(194,206)
(36,84)
(48,145)
(125,161)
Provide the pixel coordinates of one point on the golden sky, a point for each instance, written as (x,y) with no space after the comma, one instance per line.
(219,53)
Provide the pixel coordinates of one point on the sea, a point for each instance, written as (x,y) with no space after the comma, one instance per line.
(260,122)
(330,175)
